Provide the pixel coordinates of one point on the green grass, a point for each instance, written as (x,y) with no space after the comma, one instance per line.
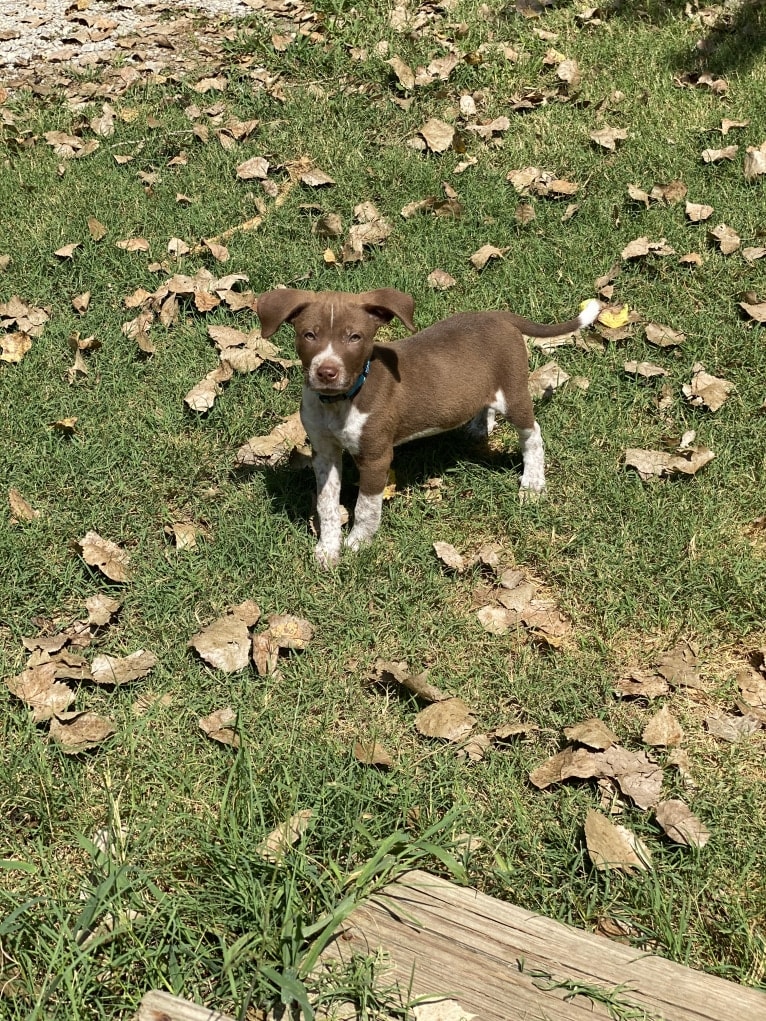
(182,901)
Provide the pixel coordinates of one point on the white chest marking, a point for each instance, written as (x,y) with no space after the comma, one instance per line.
(341,420)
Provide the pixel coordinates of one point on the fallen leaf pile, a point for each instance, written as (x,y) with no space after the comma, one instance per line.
(443,717)
(56,674)
(509,598)
(623,775)
(20,323)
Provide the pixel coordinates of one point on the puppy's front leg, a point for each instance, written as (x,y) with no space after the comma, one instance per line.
(327,461)
(373,476)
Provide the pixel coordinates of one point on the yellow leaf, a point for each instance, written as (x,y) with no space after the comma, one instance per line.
(390,490)
(615,317)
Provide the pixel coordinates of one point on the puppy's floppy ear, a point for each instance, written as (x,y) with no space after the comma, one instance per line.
(280,306)
(387,302)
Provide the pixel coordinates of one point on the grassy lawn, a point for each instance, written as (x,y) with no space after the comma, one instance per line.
(135,864)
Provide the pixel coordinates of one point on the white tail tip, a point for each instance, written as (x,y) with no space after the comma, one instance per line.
(589,314)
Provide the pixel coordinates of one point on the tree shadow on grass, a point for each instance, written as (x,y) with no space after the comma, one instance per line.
(734,42)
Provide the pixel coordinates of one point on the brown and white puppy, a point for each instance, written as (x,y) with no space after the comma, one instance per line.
(368,398)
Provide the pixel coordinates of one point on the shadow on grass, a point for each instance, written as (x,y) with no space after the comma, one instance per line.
(292,492)
(733,43)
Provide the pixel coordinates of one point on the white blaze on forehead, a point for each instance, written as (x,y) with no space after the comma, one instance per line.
(332,313)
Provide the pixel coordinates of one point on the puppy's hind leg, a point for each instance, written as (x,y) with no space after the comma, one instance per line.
(522,415)
(532,451)
(481,425)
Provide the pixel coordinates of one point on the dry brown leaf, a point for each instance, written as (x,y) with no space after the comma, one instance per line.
(372,753)
(613,846)
(609,137)
(388,673)
(21,509)
(679,667)
(256,168)
(279,443)
(275,846)
(133,245)
(78,732)
(663,730)
(221,726)
(123,669)
(224,644)
(593,732)
(756,310)
(681,824)
(105,555)
(138,329)
(96,229)
(184,534)
(38,687)
(67,251)
(315,178)
(202,396)
(440,280)
(81,302)
(640,247)
(265,654)
(660,464)
(474,748)
(546,379)
(755,162)
(639,685)
(496,619)
(663,336)
(637,777)
(752,254)
(404,73)
(101,608)
(438,135)
(508,732)
(482,256)
(727,125)
(644,369)
(716,155)
(371,229)
(727,239)
(449,720)
(732,728)
(752,685)
(328,225)
(450,556)
(698,212)
(289,632)
(13,347)
(706,391)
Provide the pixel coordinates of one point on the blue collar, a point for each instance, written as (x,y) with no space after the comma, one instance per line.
(349,394)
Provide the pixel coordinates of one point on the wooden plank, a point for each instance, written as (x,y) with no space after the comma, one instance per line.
(158,1005)
(446,940)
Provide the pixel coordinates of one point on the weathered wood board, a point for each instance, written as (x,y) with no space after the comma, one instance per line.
(492,958)
(502,963)
(161,1006)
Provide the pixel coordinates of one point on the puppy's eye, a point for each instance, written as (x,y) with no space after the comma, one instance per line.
(309,336)
(354,338)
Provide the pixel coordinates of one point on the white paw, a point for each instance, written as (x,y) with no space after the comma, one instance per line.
(356,539)
(530,494)
(326,556)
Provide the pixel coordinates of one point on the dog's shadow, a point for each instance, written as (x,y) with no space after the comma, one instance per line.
(416,464)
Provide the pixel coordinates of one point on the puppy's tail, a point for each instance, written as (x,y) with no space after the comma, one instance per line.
(588,315)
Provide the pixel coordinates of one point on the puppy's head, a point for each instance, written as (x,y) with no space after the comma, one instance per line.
(334,331)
